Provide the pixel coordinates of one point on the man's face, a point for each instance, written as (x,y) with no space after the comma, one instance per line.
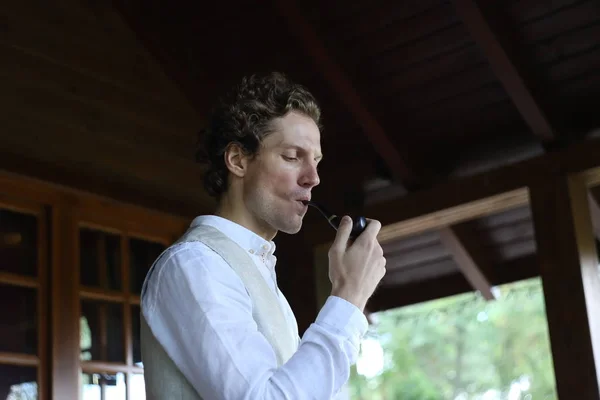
(283,173)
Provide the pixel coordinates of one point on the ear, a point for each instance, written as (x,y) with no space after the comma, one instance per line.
(235,160)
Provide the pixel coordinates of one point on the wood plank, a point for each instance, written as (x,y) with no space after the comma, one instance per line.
(448,67)
(51,175)
(467,81)
(24,360)
(450,216)
(416,273)
(91,367)
(386,298)
(341,84)
(422,255)
(566,46)
(472,264)
(458,105)
(529,11)
(135,300)
(569,269)
(65,303)
(572,68)
(515,232)
(24,97)
(421,53)
(44,305)
(101,295)
(484,194)
(401,33)
(372,19)
(106,60)
(407,244)
(127,315)
(174,117)
(93,155)
(568,18)
(108,212)
(8,278)
(505,68)
(505,219)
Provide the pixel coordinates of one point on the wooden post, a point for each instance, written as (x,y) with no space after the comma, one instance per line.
(568,263)
(65,304)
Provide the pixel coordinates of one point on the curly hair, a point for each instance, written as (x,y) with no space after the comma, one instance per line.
(244,116)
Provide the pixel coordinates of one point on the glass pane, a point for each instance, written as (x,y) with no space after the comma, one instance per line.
(142,255)
(17,383)
(18,243)
(100,259)
(460,347)
(138,388)
(102,331)
(135,331)
(18,320)
(103,386)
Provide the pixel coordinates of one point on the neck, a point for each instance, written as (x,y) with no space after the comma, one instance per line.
(236,211)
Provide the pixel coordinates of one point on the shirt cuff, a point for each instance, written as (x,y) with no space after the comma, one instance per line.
(344,317)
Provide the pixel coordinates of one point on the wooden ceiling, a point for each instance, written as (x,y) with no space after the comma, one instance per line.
(415,94)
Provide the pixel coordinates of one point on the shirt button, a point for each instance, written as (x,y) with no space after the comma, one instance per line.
(265,247)
(251,251)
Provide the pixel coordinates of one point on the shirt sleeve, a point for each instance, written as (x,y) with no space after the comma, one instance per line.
(200,312)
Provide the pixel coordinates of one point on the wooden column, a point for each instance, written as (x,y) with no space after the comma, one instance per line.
(568,264)
(65,303)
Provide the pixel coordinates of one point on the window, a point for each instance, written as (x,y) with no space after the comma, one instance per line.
(112,268)
(23,283)
(75,263)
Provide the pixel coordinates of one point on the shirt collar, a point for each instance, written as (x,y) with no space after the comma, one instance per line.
(243,236)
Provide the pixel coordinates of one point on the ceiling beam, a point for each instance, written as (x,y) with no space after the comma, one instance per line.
(505,69)
(386,298)
(474,267)
(484,194)
(334,75)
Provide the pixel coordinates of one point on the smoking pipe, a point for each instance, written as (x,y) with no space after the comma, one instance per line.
(358,223)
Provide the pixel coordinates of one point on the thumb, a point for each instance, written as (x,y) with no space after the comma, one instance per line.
(343,233)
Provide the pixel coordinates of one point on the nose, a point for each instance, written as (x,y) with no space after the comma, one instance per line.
(310,177)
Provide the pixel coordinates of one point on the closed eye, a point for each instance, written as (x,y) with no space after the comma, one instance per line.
(289,158)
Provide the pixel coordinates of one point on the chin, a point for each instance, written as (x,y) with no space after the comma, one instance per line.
(291,228)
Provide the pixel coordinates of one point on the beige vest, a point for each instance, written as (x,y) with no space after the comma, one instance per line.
(163,379)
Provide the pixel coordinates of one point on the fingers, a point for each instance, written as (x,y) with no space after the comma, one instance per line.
(371,231)
(343,234)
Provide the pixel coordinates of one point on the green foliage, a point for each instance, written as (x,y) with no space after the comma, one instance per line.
(461,347)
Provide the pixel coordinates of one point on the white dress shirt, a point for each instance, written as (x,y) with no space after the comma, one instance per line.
(200,312)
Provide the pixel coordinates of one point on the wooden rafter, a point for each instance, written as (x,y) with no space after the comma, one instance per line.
(505,69)
(385,147)
(386,298)
(333,74)
(484,194)
(475,269)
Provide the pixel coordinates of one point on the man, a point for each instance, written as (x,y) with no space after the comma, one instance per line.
(214,324)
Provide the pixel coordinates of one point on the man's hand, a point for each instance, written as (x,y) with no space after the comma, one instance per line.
(355,269)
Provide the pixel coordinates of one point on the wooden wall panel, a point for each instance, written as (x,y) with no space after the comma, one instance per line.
(82,94)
